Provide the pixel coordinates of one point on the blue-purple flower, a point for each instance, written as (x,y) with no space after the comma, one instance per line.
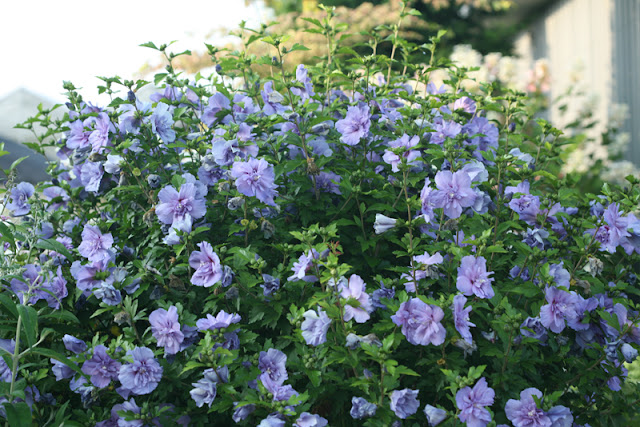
(406,143)
(404,403)
(355,289)
(222,320)
(207,265)
(525,412)
(20,194)
(383,223)
(302,77)
(315,327)
(272,365)
(302,266)
(162,122)
(472,402)
(204,391)
(101,367)
(95,246)
(255,178)
(166,329)
(143,375)
(461,318)
(454,192)
(361,408)
(560,307)
(310,420)
(473,278)
(420,322)
(74,344)
(355,125)
(434,415)
(179,209)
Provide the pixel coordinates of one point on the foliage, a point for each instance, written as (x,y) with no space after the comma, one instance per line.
(359,247)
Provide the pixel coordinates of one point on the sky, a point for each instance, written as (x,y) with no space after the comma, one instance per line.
(43,42)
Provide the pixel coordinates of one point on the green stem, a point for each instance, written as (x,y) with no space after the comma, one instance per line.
(15,358)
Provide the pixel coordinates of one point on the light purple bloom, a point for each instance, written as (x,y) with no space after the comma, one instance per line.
(560,308)
(166,329)
(101,367)
(78,136)
(8,345)
(57,285)
(444,129)
(242,412)
(59,369)
(218,102)
(454,193)
(404,403)
(99,137)
(255,177)
(180,208)
(355,125)
(205,389)
(471,402)
(532,327)
(461,318)
(95,245)
(272,421)
(207,264)
(560,416)
(356,290)
(420,322)
(434,415)
(222,320)
(361,408)
(473,278)
(74,344)
(524,412)
(19,196)
(315,327)
(272,100)
(58,197)
(310,420)
(143,374)
(302,266)
(302,77)
(270,285)
(162,122)
(429,260)
(91,175)
(527,206)
(28,290)
(108,294)
(272,365)
(390,156)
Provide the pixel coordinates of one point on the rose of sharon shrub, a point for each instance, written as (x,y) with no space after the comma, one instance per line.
(349,245)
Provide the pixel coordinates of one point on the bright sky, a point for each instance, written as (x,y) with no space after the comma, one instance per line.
(43,42)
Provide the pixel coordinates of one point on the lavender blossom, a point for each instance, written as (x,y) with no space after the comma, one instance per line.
(434,415)
(404,403)
(361,408)
(57,196)
(205,389)
(390,156)
(355,125)
(222,320)
(207,265)
(560,308)
(356,290)
(101,367)
(315,327)
(255,178)
(95,246)
(19,196)
(461,318)
(302,266)
(74,344)
(532,327)
(471,402)
(383,223)
(420,322)
(310,420)
(166,329)
(524,412)
(179,209)
(162,122)
(473,278)
(57,286)
(143,374)
(272,365)
(454,193)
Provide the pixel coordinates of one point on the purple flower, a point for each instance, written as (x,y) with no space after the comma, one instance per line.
(205,390)
(434,415)
(454,193)
(356,290)
(242,412)
(302,77)
(59,369)
(527,206)
(207,264)
(108,294)
(429,260)
(471,402)
(74,344)
(180,208)
(166,329)
(9,346)
(310,420)
(28,290)
(473,278)
(315,327)
(91,175)
(390,156)
(19,196)
(272,421)
(222,320)
(272,365)
(420,322)
(404,403)
(444,129)
(161,122)
(482,126)
(101,367)
(328,182)
(143,375)
(78,136)
(560,307)
(58,197)
(302,266)
(255,177)
(129,407)
(533,328)
(461,318)
(560,416)
(57,285)
(361,408)
(270,285)
(218,102)
(382,292)
(355,125)
(525,412)
(95,245)
(99,137)
(272,100)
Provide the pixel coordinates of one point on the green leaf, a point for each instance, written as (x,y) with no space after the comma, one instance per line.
(298,46)
(17,162)
(46,352)
(8,305)
(315,378)
(29,323)
(54,245)
(18,414)
(191,365)
(62,315)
